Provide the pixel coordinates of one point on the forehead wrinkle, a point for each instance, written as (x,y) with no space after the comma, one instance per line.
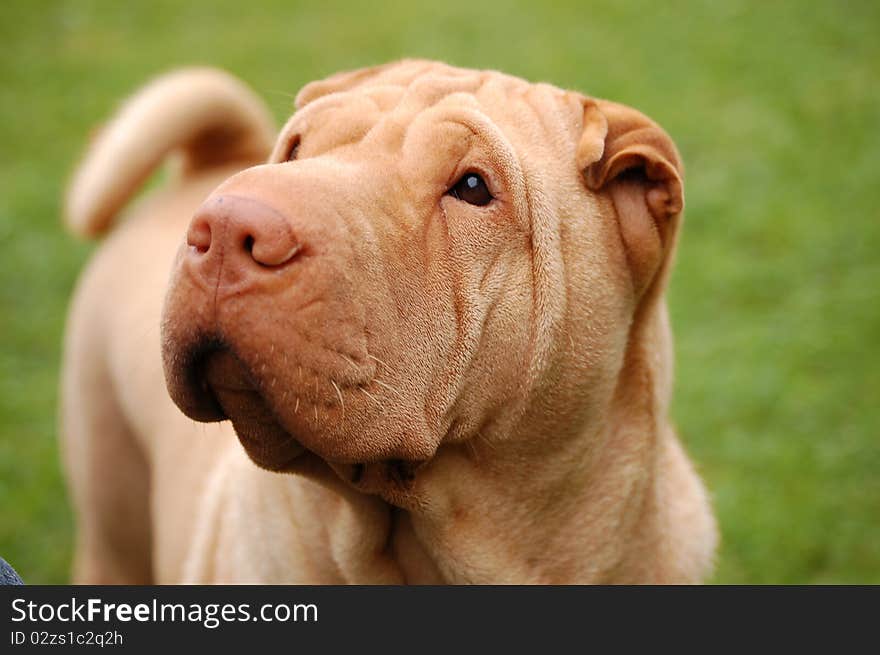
(529,110)
(398,94)
(405,73)
(474,120)
(397,98)
(403,76)
(344,119)
(430,89)
(386,96)
(559,119)
(318,105)
(394,108)
(392,130)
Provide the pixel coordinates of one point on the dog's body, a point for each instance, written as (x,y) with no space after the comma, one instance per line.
(441,329)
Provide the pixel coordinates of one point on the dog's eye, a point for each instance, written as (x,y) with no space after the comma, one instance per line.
(472,189)
(293,149)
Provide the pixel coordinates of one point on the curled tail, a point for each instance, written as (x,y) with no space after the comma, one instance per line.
(209,116)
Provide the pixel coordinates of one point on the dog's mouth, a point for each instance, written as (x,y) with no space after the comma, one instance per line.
(211,383)
(225,387)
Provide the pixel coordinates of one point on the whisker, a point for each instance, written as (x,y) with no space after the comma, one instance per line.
(280,93)
(339,394)
(469,444)
(485,441)
(376,359)
(296,407)
(387,386)
(348,359)
(371,396)
(316,413)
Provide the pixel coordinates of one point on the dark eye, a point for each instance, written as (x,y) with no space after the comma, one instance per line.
(293,149)
(472,189)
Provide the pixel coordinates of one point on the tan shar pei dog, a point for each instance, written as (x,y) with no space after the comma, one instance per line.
(419,336)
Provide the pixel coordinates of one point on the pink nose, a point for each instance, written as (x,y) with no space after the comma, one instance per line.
(244,234)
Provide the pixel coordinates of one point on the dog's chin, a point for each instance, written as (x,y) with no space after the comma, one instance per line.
(267,442)
(268,445)
(219,386)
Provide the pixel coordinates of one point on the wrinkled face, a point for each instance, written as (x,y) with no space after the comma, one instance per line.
(399,276)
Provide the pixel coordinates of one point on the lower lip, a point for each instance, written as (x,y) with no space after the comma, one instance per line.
(271,456)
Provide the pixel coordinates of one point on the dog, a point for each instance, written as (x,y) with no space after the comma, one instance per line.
(419,336)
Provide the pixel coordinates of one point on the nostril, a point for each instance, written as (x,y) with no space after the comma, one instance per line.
(272,253)
(199,235)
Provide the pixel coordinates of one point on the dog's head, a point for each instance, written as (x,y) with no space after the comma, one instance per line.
(432,256)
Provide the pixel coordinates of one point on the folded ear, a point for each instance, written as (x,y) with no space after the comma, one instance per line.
(627,155)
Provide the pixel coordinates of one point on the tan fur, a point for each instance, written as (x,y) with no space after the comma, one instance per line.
(434,391)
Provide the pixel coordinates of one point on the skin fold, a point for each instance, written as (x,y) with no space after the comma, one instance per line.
(431,309)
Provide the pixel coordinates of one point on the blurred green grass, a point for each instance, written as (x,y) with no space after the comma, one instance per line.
(775,299)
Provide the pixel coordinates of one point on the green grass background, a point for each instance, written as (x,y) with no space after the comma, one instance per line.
(775,303)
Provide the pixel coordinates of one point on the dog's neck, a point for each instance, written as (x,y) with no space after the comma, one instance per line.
(614,501)
(619,503)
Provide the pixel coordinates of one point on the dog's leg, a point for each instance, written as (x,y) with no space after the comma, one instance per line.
(107,472)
